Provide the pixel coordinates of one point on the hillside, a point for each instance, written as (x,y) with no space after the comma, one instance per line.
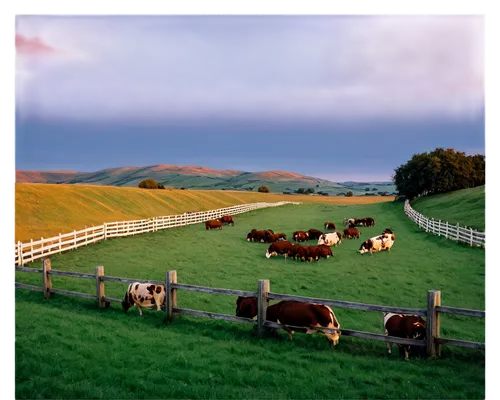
(196,177)
(466,207)
(44,210)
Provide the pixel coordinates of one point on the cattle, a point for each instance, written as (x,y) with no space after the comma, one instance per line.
(370,221)
(306,316)
(319,251)
(213,224)
(351,233)
(278,248)
(349,222)
(330,225)
(330,239)
(303,253)
(300,236)
(314,233)
(227,219)
(258,236)
(144,295)
(406,327)
(274,237)
(377,243)
(294,250)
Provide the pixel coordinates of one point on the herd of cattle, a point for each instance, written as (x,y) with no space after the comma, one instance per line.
(293,315)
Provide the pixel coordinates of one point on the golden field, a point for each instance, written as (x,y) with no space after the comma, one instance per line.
(45,210)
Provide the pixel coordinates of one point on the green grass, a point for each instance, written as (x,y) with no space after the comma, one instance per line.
(67,348)
(466,207)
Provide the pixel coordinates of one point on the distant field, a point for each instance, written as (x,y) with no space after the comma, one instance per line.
(45,210)
(67,348)
(467,207)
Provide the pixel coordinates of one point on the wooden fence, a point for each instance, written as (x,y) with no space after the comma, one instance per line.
(264,295)
(462,234)
(30,251)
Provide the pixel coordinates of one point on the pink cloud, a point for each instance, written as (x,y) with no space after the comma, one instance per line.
(33,46)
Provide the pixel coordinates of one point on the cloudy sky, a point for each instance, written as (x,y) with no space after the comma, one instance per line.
(337,97)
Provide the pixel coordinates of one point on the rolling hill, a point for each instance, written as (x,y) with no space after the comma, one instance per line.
(196,177)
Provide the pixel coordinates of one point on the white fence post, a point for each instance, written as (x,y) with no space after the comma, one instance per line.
(41,245)
(74,238)
(20,253)
(458,233)
(31,248)
(439,228)
(471,241)
(105,231)
(446,234)
(60,241)
(85,235)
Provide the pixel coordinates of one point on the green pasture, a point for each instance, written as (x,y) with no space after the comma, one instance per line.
(67,348)
(466,207)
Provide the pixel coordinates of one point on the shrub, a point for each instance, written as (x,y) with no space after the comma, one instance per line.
(310,190)
(263,189)
(160,186)
(348,194)
(148,184)
(301,190)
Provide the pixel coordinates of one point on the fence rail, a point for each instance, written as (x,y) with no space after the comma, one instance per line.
(264,295)
(456,232)
(33,250)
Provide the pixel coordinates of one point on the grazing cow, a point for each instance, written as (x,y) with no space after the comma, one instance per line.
(370,221)
(330,239)
(377,243)
(349,222)
(280,247)
(351,233)
(213,224)
(303,253)
(406,327)
(227,219)
(300,236)
(294,250)
(144,295)
(258,236)
(307,316)
(319,251)
(330,225)
(314,233)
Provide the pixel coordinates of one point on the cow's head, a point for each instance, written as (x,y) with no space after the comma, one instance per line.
(250,236)
(246,307)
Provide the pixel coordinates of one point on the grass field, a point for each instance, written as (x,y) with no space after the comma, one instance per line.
(466,207)
(67,348)
(45,210)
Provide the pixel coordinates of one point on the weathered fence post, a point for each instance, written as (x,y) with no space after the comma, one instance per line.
(99,285)
(47,279)
(170,295)
(20,253)
(262,304)
(433,324)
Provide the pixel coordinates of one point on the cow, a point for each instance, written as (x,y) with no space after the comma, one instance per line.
(144,295)
(330,225)
(280,247)
(227,219)
(351,233)
(258,236)
(307,316)
(319,251)
(274,237)
(314,233)
(300,236)
(377,243)
(349,222)
(294,250)
(406,327)
(370,221)
(213,224)
(330,239)
(303,253)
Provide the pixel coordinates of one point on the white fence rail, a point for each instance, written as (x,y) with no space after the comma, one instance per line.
(30,251)
(458,233)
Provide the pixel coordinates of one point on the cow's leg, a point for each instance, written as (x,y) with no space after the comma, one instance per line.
(139,308)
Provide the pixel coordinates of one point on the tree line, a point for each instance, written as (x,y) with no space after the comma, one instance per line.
(439,171)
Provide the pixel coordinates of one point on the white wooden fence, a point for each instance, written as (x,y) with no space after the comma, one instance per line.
(454,232)
(30,251)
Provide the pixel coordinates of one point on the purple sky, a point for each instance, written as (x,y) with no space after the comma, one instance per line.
(338,97)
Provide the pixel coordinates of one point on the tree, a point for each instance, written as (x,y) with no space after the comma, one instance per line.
(349,194)
(367,189)
(263,189)
(160,186)
(301,190)
(148,184)
(309,190)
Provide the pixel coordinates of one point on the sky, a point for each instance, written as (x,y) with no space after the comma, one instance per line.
(333,96)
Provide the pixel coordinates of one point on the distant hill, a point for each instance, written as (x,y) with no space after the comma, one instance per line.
(196,177)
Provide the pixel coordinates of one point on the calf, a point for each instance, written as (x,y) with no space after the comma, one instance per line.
(213,224)
(304,316)
(330,239)
(406,327)
(144,295)
(300,236)
(281,247)
(314,234)
(351,233)
(330,225)
(227,219)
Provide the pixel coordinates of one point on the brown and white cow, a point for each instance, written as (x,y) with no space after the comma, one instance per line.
(258,236)
(351,233)
(144,295)
(300,236)
(227,219)
(319,251)
(213,224)
(274,237)
(375,244)
(406,327)
(281,247)
(306,316)
(330,225)
(330,239)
